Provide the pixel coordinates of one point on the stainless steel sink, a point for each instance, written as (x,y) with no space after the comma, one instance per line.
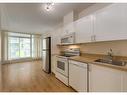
(113,62)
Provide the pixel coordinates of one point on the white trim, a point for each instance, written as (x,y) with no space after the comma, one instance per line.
(19,60)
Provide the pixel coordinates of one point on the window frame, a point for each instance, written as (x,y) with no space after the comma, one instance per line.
(30,38)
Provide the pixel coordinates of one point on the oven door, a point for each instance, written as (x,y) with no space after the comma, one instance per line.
(62,66)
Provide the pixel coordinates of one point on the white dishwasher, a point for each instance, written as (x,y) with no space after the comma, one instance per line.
(78,75)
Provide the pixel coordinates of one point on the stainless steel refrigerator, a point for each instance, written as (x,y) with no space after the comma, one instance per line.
(46,54)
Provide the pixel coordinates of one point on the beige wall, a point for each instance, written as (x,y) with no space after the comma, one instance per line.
(119,47)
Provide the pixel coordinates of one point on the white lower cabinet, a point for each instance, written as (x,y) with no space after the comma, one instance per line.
(105,79)
(78,76)
(53,63)
(0,78)
(124,82)
(97,79)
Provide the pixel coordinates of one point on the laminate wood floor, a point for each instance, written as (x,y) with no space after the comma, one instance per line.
(29,77)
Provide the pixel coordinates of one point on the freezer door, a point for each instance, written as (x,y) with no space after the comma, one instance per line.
(45,58)
(45,44)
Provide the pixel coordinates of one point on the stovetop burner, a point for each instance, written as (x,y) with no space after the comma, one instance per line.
(67,55)
(70,52)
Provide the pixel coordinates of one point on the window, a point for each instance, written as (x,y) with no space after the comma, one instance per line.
(13,46)
(18,47)
(24,47)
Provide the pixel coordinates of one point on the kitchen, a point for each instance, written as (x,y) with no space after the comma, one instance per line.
(84,52)
(98,35)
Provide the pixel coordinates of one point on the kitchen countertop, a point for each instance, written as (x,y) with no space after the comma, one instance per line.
(89,59)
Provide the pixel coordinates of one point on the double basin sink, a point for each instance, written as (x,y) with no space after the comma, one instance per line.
(113,62)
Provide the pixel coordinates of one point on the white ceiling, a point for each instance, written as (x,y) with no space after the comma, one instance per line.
(34,18)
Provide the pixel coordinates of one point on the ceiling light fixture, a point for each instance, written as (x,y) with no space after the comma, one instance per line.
(49,6)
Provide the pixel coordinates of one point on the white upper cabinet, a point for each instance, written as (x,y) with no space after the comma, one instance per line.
(68,29)
(106,24)
(56,39)
(68,26)
(125,17)
(110,23)
(84,29)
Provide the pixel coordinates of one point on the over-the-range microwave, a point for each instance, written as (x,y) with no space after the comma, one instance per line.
(68,39)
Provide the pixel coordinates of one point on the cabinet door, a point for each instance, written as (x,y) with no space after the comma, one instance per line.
(77,76)
(109,23)
(0,78)
(55,39)
(84,29)
(53,63)
(125,81)
(105,79)
(125,17)
(68,29)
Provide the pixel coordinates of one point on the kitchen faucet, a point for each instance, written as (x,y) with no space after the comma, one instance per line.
(110,55)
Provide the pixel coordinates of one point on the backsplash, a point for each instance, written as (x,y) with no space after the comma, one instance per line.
(119,47)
